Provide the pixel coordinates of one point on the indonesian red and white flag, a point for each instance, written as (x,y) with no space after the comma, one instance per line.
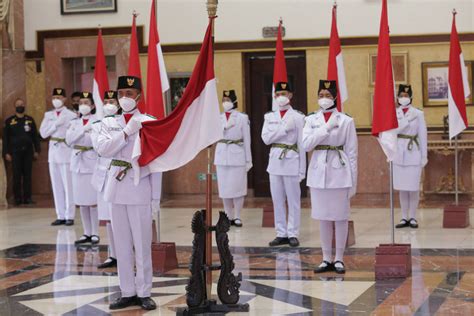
(384,120)
(101,81)
(279,68)
(157,79)
(336,63)
(134,61)
(458,86)
(193,125)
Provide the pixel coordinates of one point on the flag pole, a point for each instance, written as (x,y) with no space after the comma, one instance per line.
(456,171)
(392,210)
(212,13)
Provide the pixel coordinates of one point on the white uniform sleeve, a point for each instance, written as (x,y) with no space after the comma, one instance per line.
(247,139)
(300,125)
(95,134)
(423,136)
(313,136)
(109,144)
(273,132)
(47,127)
(156,180)
(351,150)
(74,132)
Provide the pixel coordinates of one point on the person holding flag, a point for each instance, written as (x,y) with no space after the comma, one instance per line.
(332,172)
(283,130)
(411,157)
(233,158)
(129,188)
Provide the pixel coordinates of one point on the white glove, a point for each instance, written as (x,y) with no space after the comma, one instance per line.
(155,207)
(60,121)
(332,123)
(424,161)
(352,191)
(132,127)
(248,166)
(302,176)
(289,124)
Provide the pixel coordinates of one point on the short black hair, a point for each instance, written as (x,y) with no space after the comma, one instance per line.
(76,94)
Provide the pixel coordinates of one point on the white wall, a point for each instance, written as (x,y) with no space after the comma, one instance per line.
(184,21)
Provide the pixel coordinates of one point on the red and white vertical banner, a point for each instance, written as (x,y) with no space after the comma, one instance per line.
(458,85)
(336,63)
(101,81)
(279,68)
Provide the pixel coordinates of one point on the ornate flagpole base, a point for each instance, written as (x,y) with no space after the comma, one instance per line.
(228,284)
(456,216)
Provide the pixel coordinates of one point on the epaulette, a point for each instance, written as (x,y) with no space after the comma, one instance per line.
(151,116)
(299,112)
(112,115)
(312,113)
(76,118)
(269,112)
(346,114)
(98,121)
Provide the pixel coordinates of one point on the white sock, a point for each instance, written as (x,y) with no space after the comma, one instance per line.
(326,231)
(238,205)
(342,229)
(94,220)
(229,207)
(86,219)
(110,235)
(405,203)
(414,200)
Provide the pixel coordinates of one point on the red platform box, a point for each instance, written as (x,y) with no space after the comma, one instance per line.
(456,216)
(351,239)
(163,256)
(103,222)
(392,261)
(268,219)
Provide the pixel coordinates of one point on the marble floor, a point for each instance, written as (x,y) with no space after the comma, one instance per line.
(43,273)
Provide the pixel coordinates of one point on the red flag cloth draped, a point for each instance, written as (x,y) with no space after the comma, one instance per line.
(458,87)
(336,63)
(101,81)
(134,61)
(279,67)
(384,113)
(193,125)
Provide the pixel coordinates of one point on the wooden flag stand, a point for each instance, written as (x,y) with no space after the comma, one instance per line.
(456,215)
(392,260)
(198,291)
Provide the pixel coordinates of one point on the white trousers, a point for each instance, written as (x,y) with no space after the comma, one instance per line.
(132,225)
(409,201)
(62,190)
(232,207)
(90,220)
(286,189)
(110,234)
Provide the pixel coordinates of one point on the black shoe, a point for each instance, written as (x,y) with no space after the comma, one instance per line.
(324,268)
(83,240)
(146,303)
(124,302)
(17,202)
(294,242)
(339,270)
(29,202)
(58,222)
(413,223)
(69,222)
(403,223)
(95,239)
(279,241)
(109,263)
(237,222)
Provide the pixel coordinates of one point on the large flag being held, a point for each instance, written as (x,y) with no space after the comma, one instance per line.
(101,81)
(458,85)
(134,60)
(193,125)
(279,68)
(157,80)
(336,63)
(384,120)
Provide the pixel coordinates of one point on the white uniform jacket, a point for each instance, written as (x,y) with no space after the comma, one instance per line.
(100,171)
(412,123)
(288,131)
(55,126)
(78,136)
(331,169)
(111,143)
(237,129)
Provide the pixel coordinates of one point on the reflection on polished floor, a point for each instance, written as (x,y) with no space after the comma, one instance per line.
(43,273)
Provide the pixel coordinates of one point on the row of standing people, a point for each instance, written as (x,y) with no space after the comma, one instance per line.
(332,173)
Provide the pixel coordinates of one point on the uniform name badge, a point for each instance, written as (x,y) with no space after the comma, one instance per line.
(27,127)
(121,175)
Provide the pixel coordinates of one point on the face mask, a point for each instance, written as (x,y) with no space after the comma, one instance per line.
(325,103)
(127,104)
(84,109)
(404,101)
(227,106)
(110,109)
(20,109)
(57,103)
(282,100)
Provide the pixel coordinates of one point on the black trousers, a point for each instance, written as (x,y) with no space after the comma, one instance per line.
(22,161)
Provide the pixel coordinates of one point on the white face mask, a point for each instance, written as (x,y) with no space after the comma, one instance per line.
(282,100)
(57,103)
(404,101)
(227,106)
(127,104)
(84,109)
(325,103)
(109,109)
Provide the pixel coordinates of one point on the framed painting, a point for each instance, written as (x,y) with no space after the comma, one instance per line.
(435,83)
(87,6)
(399,64)
(178,83)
